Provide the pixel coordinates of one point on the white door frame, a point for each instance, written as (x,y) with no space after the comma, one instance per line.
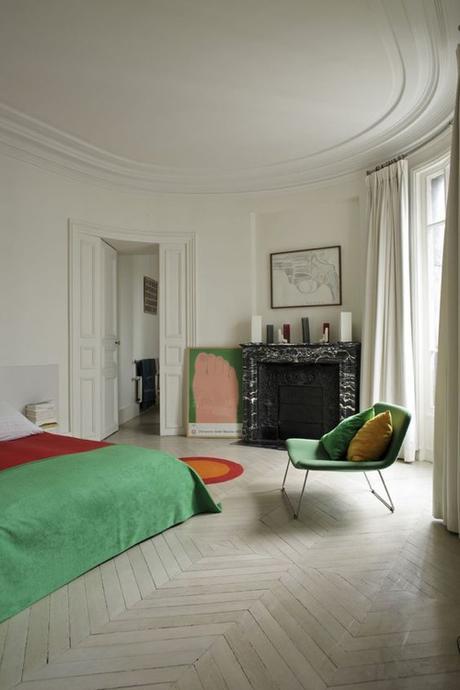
(79,229)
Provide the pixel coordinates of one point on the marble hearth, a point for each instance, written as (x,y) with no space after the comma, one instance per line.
(298,390)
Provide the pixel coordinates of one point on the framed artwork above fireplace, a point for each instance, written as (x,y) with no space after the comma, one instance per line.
(306,278)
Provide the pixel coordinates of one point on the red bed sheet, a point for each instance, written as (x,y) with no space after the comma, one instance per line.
(39,446)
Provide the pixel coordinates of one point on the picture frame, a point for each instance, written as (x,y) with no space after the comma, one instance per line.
(150,295)
(306,278)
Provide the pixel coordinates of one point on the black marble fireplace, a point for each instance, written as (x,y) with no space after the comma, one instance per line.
(299,391)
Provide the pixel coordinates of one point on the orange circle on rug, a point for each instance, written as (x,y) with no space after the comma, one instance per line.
(214,470)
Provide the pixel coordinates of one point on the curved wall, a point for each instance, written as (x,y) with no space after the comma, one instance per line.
(235,235)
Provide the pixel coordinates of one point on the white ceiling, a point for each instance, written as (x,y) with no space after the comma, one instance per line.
(223,95)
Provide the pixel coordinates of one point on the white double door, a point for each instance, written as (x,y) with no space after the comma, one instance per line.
(94,337)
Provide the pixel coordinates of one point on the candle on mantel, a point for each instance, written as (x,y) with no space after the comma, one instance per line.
(305,329)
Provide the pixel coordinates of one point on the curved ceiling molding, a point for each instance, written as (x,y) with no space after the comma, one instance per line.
(418,58)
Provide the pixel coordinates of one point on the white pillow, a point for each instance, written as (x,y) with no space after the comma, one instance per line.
(14,425)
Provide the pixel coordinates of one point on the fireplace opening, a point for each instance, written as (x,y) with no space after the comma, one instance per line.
(297,400)
(300,412)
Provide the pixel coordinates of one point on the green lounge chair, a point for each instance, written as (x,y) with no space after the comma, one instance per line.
(305,454)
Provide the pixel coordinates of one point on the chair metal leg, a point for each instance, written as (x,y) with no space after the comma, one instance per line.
(296,515)
(285,474)
(295,512)
(389,505)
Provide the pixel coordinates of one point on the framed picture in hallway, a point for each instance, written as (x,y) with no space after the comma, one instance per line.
(306,278)
(214,407)
(150,295)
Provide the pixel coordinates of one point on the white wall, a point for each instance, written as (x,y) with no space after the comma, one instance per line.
(146,333)
(138,332)
(235,234)
(35,206)
(319,217)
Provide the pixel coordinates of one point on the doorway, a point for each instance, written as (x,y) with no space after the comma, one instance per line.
(89,270)
(138,332)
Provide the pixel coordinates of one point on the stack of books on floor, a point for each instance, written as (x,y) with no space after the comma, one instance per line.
(43,414)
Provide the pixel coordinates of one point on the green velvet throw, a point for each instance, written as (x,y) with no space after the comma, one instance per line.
(62,516)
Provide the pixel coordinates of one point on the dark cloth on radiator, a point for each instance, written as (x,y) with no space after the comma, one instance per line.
(147,370)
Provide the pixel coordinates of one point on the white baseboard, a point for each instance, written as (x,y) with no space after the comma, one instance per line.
(128,412)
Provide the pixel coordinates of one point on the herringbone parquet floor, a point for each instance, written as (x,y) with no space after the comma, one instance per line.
(349,596)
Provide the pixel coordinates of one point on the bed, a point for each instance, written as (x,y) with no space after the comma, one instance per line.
(67,505)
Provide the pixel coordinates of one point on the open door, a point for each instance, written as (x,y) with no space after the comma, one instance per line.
(93,327)
(173,337)
(85,336)
(109,342)
(94,356)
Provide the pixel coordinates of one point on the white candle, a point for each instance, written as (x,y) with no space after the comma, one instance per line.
(345,327)
(256,329)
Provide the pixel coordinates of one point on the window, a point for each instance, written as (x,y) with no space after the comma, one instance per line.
(427,247)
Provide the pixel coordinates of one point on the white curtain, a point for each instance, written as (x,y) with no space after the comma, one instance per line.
(387,370)
(446,470)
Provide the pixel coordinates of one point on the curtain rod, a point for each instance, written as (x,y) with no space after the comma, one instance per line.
(410,151)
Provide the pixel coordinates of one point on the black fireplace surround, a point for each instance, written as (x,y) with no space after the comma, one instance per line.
(299,391)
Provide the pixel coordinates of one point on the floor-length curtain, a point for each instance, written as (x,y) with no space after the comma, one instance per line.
(387,372)
(446,471)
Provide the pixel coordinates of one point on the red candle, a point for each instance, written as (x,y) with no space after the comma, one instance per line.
(287,332)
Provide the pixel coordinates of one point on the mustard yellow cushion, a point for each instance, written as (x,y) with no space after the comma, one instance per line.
(372,440)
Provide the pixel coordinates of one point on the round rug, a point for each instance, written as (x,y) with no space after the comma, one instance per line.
(214,470)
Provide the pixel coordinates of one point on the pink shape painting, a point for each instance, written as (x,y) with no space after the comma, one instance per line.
(215,388)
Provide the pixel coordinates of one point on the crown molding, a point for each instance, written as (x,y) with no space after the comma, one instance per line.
(404,123)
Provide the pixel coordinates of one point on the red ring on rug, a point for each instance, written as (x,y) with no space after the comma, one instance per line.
(214,470)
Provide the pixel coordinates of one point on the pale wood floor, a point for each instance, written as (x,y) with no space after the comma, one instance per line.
(349,596)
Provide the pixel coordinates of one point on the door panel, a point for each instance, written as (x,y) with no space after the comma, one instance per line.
(173,402)
(85,340)
(173,336)
(109,342)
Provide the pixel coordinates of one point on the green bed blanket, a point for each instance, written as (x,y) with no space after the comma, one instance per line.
(62,516)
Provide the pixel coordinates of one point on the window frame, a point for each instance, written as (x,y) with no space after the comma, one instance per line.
(423,349)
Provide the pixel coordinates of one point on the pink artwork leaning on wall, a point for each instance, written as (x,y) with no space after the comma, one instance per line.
(215,389)
(214,392)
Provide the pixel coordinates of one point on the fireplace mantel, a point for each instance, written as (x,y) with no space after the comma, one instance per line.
(346,356)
